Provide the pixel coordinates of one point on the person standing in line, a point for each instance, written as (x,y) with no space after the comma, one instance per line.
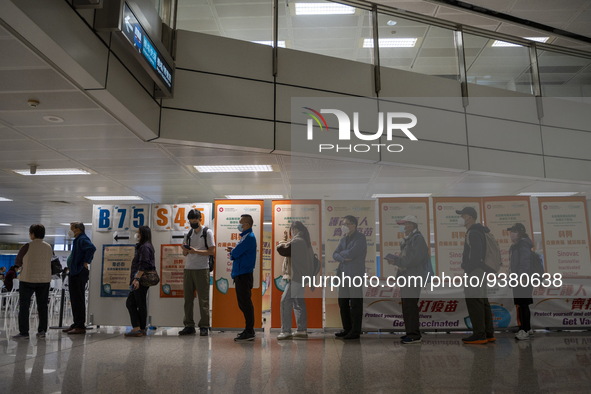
(350,253)
(9,279)
(243,258)
(35,260)
(520,263)
(78,272)
(143,260)
(473,265)
(298,262)
(196,274)
(414,261)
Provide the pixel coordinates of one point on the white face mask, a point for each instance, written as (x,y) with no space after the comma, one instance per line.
(401,229)
(461,222)
(344,230)
(71,234)
(136,236)
(514,237)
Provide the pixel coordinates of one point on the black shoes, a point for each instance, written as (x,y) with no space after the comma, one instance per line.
(187,331)
(351,335)
(245,336)
(341,334)
(203,331)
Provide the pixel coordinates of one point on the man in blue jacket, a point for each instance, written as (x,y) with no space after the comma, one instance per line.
(350,253)
(78,262)
(244,259)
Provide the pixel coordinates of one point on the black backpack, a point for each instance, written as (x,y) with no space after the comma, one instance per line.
(56,266)
(204,235)
(316,265)
(536,265)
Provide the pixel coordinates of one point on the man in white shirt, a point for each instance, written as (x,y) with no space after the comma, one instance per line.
(196,274)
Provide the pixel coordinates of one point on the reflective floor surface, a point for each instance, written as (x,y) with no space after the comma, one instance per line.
(104,361)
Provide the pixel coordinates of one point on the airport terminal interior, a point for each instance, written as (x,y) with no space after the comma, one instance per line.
(149,106)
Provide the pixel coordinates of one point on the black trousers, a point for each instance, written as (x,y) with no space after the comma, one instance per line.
(351,308)
(78,298)
(25,291)
(523,316)
(137,307)
(410,311)
(243,284)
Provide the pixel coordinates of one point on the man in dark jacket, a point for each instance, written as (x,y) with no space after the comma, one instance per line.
(243,262)
(78,262)
(350,253)
(473,265)
(520,257)
(414,261)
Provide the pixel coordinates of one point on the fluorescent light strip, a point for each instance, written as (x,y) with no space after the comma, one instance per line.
(401,195)
(549,194)
(391,42)
(114,198)
(255,196)
(245,168)
(54,171)
(68,224)
(499,43)
(280,44)
(323,9)
(5,199)
(5,225)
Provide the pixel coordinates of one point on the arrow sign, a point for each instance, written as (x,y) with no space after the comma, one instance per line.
(116,237)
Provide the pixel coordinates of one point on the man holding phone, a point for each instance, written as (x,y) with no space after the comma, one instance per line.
(243,262)
(196,274)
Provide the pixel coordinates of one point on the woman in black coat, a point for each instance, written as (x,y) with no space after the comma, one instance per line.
(136,300)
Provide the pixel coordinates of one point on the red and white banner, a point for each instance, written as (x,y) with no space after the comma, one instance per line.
(565,234)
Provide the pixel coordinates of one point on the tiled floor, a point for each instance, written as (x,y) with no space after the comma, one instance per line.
(103,361)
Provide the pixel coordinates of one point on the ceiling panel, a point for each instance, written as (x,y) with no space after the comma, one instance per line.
(47,101)
(70,117)
(32,80)
(15,55)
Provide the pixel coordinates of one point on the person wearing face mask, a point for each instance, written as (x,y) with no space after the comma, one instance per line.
(298,262)
(350,253)
(196,274)
(473,265)
(78,263)
(143,260)
(520,263)
(34,258)
(243,258)
(414,260)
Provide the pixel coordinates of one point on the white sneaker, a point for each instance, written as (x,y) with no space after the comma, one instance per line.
(522,335)
(284,335)
(530,333)
(300,335)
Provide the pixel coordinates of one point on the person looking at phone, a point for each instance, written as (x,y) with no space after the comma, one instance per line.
(196,274)
(414,260)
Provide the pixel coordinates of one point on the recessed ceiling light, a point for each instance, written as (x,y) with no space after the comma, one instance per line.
(54,171)
(246,168)
(255,196)
(323,9)
(5,199)
(391,23)
(549,194)
(391,42)
(114,198)
(5,225)
(280,44)
(53,119)
(498,43)
(401,195)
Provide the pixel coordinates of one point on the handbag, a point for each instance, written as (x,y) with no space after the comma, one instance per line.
(149,278)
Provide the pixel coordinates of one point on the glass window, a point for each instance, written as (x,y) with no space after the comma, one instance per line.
(248,20)
(564,75)
(415,46)
(325,28)
(497,63)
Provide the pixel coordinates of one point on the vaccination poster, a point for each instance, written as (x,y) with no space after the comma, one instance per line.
(116,270)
